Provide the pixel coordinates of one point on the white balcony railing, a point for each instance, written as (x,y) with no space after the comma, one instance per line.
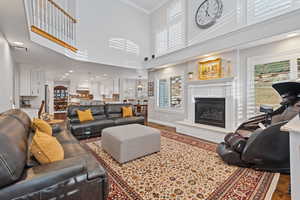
(50,20)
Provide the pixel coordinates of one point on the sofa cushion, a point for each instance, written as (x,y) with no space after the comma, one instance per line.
(87,128)
(85,115)
(129,120)
(115,110)
(46,149)
(42,125)
(96,110)
(13,149)
(127,111)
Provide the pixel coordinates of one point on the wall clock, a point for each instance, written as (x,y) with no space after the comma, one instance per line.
(208,13)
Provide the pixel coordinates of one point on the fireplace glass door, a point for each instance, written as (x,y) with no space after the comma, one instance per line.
(210,111)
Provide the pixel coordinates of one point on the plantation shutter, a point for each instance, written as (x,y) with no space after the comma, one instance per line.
(263,9)
(172,36)
(132,47)
(175,36)
(162,42)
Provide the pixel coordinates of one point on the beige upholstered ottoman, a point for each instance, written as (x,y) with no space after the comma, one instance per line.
(129,142)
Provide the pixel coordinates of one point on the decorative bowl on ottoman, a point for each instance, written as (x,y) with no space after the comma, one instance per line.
(129,142)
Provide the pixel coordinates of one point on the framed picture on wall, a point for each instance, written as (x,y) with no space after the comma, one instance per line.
(176,91)
(211,69)
(151,88)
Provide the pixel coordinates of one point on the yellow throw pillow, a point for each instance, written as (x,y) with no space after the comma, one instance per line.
(85,115)
(42,126)
(127,111)
(45,148)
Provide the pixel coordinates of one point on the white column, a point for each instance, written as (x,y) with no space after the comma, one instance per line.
(294,127)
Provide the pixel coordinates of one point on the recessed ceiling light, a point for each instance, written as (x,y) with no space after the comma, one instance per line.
(292,35)
(18,43)
(104,74)
(67,74)
(71,71)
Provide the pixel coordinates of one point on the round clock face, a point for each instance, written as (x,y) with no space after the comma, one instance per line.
(208,13)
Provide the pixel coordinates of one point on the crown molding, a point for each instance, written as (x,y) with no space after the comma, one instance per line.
(134,5)
(163,2)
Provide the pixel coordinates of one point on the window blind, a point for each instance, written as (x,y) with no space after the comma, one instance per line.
(262,9)
(161,42)
(124,45)
(163,98)
(175,35)
(170,36)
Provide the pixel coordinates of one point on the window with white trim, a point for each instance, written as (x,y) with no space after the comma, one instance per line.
(124,45)
(171,35)
(258,10)
(163,93)
(263,74)
(170,93)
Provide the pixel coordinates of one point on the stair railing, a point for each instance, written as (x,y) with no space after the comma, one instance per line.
(51,21)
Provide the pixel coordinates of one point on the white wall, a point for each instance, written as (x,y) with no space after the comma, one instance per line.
(165,116)
(169,116)
(242,22)
(229,21)
(239,60)
(6,78)
(102,20)
(277,50)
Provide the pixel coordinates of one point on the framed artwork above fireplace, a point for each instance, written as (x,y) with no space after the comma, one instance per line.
(211,69)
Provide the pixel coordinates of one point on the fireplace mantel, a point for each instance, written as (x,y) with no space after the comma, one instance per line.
(208,82)
(217,88)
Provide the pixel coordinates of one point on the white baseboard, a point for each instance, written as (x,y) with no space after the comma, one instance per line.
(162,123)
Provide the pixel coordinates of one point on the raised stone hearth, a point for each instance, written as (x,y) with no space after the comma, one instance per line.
(214,123)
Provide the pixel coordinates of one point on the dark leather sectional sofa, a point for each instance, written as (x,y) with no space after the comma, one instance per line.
(105,116)
(79,176)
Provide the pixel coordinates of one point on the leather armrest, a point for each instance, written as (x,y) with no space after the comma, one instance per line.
(94,169)
(43,176)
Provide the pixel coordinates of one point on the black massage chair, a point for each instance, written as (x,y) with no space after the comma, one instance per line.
(261,143)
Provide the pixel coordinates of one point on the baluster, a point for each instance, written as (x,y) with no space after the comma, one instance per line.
(56,21)
(61,26)
(71,32)
(42,15)
(47,16)
(74,33)
(64,28)
(37,13)
(52,20)
(58,24)
(32,12)
(68,24)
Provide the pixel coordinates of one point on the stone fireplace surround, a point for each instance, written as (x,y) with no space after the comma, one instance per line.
(219,88)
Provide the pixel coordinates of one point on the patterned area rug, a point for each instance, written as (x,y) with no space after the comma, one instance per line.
(186,169)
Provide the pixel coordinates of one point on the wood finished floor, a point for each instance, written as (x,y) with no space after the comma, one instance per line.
(281,192)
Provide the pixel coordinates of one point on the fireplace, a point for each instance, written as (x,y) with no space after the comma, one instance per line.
(210,111)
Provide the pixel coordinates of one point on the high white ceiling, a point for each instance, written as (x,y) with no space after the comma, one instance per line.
(147,6)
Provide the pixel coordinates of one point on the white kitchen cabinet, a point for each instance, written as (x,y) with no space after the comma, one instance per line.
(31,82)
(25,82)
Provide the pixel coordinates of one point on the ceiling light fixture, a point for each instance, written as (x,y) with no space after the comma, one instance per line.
(18,44)
(292,35)
(71,71)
